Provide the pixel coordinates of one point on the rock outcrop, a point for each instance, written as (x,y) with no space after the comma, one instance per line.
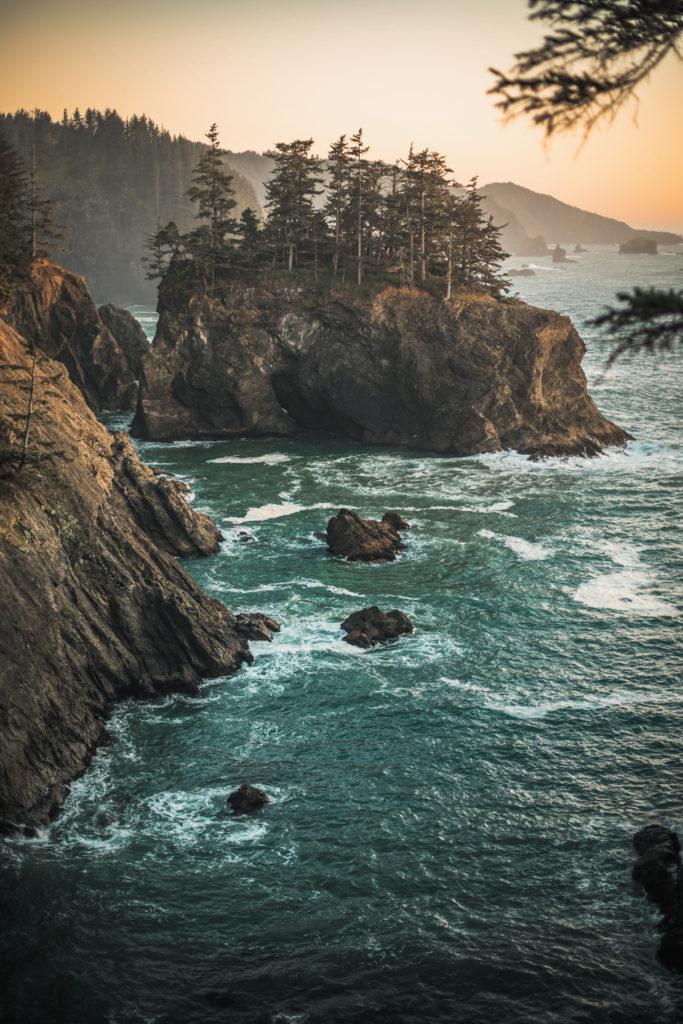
(55,312)
(639,245)
(372,626)
(247,799)
(127,333)
(363,540)
(405,369)
(93,604)
(659,870)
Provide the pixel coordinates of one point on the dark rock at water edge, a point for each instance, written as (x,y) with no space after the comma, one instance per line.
(639,245)
(406,369)
(395,520)
(54,310)
(94,605)
(524,272)
(128,334)
(256,626)
(658,869)
(372,626)
(247,799)
(362,540)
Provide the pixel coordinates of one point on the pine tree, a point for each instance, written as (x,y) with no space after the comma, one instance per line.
(476,250)
(45,232)
(290,195)
(212,192)
(15,236)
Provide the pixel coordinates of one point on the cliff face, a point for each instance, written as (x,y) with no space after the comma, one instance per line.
(55,311)
(93,605)
(406,369)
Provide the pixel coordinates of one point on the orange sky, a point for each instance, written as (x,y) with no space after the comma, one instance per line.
(274,70)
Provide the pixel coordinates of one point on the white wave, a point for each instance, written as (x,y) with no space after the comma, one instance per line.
(627,590)
(498,506)
(524,549)
(623,592)
(273,511)
(595,702)
(268,460)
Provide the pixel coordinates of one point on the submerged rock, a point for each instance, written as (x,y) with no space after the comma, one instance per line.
(372,626)
(463,377)
(247,799)
(362,540)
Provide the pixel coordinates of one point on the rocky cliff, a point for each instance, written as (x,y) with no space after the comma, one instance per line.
(405,369)
(93,605)
(56,311)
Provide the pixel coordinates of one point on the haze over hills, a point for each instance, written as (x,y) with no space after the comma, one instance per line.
(113,180)
(559,222)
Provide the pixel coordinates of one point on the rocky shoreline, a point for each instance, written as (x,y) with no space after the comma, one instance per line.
(95,606)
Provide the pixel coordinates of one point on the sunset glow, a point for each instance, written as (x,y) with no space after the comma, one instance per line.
(268,72)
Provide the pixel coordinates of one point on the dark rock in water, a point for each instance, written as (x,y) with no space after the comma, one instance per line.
(395,520)
(256,626)
(659,870)
(362,540)
(404,368)
(54,308)
(524,272)
(320,536)
(559,255)
(94,605)
(579,248)
(247,798)
(637,245)
(371,626)
(245,538)
(655,835)
(128,333)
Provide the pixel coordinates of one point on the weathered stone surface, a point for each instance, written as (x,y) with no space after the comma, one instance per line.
(395,520)
(559,255)
(247,799)
(55,310)
(94,605)
(372,626)
(405,369)
(256,626)
(362,540)
(128,334)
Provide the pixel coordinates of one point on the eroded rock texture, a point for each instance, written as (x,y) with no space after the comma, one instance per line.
(55,311)
(404,369)
(93,604)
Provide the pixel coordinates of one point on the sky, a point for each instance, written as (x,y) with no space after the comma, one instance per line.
(405,71)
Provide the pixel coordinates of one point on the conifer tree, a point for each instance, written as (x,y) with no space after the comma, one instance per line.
(290,194)
(45,232)
(15,236)
(212,192)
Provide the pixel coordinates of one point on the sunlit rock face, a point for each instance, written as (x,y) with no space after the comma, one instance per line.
(93,605)
(403,369)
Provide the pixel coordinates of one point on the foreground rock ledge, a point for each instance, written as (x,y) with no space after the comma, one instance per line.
(660,872)
(403,369)
(93,604)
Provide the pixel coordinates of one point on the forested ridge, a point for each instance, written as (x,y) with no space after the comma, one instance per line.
(111,181)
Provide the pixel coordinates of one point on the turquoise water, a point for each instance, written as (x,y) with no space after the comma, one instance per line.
(450,833)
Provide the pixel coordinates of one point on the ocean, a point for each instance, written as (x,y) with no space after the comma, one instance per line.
(450,833)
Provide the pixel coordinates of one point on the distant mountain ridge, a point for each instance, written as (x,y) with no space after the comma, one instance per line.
(558,222)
